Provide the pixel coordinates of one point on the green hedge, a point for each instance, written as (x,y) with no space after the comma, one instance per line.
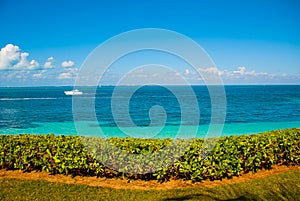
(231,156)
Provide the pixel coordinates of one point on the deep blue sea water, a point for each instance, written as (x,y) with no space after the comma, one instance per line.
(249,109)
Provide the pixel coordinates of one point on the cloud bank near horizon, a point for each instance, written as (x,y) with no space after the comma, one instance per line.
(16,69)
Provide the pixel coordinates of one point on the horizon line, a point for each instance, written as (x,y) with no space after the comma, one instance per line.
(111,85)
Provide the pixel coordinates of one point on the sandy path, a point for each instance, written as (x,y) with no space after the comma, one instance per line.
(139,184)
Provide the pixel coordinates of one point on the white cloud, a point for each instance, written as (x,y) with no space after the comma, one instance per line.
(39,74)
(144,75)
(240,75)
(187,71)
(243,76)
(66,75)
(212,70)
(49,63)
(33,65)
(70,73)
(8,55)
(20,74)
(11,58)
(66,64)
(17,68)
(241,70)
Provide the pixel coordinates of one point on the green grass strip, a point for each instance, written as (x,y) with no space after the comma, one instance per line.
(282,186)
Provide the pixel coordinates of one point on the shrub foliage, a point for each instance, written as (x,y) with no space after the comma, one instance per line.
(231,156)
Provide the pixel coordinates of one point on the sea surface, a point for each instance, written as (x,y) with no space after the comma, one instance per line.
(45,110)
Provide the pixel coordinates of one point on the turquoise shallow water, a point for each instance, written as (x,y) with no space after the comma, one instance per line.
(68,128)
(249,109)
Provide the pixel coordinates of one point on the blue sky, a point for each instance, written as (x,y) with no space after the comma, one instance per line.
(251,42)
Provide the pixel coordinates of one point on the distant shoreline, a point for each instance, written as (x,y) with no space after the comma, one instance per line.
(108,85)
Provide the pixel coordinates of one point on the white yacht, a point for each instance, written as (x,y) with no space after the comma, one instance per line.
(73,92)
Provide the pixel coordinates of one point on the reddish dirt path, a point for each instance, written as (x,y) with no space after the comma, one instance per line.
(138,184)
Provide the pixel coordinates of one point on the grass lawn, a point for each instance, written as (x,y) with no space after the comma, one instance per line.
(281,186)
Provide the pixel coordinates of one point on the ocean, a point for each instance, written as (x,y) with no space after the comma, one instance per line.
(47,110)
